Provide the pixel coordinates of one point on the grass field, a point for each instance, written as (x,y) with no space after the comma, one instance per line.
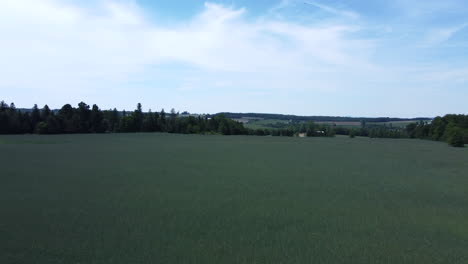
(160,198)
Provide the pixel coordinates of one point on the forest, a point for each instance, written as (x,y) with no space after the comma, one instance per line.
(84,118)
(319,118)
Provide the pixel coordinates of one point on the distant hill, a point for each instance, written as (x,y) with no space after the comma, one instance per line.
(318,118)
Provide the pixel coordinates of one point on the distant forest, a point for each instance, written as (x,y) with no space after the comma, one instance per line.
(319,118)
(90,119)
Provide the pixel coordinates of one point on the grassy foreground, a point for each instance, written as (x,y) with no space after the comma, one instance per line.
(159,198)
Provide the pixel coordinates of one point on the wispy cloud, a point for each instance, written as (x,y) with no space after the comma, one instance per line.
(334,11)
(280,5)
(439,35)
(430,8)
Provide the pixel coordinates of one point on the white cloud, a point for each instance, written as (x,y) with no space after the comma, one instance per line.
(56,44)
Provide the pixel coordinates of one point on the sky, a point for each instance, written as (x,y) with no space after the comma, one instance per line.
(394,58)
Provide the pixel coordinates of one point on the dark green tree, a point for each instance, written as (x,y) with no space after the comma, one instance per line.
(97,120)
(84,115)
(138,119)
(45,112)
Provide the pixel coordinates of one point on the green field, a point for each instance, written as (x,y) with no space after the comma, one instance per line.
(161,198)
(265,123)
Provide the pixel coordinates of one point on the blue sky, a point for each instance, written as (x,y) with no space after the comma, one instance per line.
(311,57)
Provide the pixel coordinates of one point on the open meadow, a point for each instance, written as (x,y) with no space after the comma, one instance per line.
(166,198)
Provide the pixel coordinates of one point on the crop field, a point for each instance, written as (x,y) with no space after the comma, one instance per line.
(163,198)
(265,123)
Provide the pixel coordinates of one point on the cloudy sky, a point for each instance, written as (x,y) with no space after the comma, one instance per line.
(311,57)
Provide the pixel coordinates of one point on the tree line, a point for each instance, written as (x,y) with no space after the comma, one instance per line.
(91,119)
(373,131)
(319,118)
(452,129)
